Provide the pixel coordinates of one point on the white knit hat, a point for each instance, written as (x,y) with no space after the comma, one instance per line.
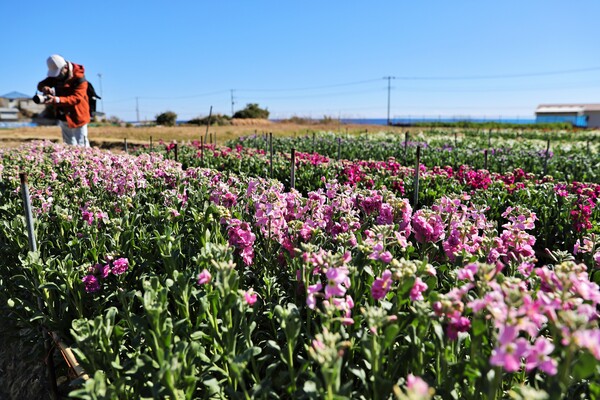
(55,64)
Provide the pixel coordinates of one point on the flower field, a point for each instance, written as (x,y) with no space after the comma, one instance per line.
(199,278)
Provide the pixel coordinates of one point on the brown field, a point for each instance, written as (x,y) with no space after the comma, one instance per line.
(114,136)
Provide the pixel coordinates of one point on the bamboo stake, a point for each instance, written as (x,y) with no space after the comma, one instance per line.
(69,357)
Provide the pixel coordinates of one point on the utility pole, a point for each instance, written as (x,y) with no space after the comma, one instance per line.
(232,103)
(137,109)
(389,79)
(101,93)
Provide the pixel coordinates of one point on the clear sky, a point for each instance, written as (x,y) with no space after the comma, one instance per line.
(312,58)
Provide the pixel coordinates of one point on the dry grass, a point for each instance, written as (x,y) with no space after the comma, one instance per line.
(109,136)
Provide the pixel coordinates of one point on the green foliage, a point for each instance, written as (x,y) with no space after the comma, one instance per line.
(215,120)
(252,110)
(168,118)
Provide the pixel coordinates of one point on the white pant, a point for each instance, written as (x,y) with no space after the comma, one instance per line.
(74,136)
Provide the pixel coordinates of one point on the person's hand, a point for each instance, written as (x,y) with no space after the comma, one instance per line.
(47,90)
(50,99)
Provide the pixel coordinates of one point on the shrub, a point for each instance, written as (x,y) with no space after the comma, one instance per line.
(167,118)
(217,119)
(252,110)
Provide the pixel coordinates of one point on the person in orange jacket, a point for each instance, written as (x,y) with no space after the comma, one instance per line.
(66,89)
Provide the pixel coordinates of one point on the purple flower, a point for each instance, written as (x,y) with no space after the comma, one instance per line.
(381,286)
(91,283)
(120,265)
(204,277)
(538,357)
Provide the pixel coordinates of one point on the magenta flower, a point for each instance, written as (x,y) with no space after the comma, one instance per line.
(539,357)
(204,277)
(597,259)
(120,265)
(381,286)
(416,293)
(337,282)
(91,283)
(250,297)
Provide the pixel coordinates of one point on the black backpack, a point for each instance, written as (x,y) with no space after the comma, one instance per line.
(92,95)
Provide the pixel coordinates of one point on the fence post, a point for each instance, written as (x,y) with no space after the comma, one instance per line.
(48,350)
(485,159)
(546,158)
(313,146)
(176,152)
(339,140)
(125,140)
(271,152)
(455,140)
(150,144)
(490,138)
(405,146)
(202,149)
(417,169)
(293,169)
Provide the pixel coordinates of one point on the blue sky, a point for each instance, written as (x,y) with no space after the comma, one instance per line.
(312,58)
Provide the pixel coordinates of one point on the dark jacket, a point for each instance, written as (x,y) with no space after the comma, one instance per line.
(74,106)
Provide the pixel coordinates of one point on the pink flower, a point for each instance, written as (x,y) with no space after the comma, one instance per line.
(381,286)
(102,270)
(204,277)
(538,357)
(91,283)
(120,266)
(311,299)
(416,293)
(417,386)
(250,297)
(337,282)
(468,272)
(510,351)
(597,259)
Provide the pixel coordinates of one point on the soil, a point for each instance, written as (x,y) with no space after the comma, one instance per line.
(115,136)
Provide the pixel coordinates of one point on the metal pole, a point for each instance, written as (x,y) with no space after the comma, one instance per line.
(125,140)
(546,158)
(28,215)
(101,93)
(271,151)
(292,170)
(208,124)
(417,168)
(33,247)
(485,159)
(339,140)
(389,79)
(176,155)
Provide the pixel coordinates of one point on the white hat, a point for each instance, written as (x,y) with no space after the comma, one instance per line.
(55,64)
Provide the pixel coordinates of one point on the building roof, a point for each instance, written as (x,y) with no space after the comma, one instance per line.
(15,96)
(567,108)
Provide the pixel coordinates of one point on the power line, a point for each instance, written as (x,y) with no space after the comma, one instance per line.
(502,76)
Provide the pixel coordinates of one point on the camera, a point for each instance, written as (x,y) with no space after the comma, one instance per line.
(40,98)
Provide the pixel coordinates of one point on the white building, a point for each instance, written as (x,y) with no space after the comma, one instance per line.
(580,115)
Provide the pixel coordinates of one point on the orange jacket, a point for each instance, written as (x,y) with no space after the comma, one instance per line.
(74,103)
